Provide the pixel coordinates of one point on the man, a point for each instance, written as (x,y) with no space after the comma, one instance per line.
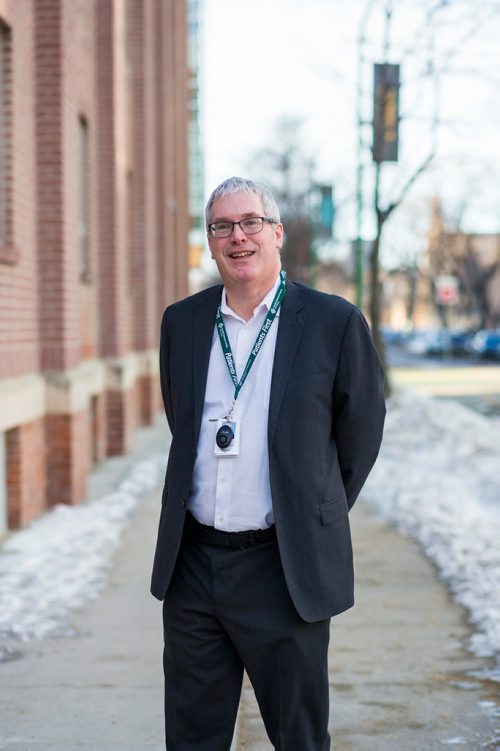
(274,396)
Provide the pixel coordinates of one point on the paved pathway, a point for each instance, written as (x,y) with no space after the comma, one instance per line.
(101,691)
(397,659)
(396,662)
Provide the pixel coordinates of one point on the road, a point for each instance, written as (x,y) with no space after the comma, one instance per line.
(473,383)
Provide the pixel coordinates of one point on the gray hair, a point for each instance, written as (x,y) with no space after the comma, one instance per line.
(242,185)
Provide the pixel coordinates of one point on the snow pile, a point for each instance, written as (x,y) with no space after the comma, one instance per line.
(62,559)
(438,480)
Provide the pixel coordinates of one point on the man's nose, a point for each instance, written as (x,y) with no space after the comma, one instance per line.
(237,234)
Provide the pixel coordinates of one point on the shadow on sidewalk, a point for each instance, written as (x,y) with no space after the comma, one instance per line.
(400,675)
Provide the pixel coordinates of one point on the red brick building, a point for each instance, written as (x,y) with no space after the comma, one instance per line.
(93,233)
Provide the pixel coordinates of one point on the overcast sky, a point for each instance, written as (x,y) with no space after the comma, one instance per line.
(268,58)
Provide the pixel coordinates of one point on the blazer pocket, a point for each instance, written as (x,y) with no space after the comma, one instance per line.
(333,510)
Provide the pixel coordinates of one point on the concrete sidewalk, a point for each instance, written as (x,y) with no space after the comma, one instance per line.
(399,671)
(398,666)
(100,691)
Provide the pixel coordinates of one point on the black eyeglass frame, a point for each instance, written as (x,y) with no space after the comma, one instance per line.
(262,218)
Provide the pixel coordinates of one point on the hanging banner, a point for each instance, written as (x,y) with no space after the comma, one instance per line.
(385,112)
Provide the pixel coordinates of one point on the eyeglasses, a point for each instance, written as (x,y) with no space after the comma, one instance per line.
(250,226)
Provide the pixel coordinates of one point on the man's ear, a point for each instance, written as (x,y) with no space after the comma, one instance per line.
(279,236)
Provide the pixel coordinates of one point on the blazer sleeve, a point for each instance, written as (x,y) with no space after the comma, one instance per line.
(165,382)
(359,405)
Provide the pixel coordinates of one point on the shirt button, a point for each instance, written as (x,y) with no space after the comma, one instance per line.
(183,504)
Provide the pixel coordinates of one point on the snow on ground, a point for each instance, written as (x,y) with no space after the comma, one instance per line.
(438,480)
(62,559)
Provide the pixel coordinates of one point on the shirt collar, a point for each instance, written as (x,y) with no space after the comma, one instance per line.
(266,302)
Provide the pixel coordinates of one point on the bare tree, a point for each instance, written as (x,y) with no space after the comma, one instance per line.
(382,215)
(428,63)
(471,258)
(475,278)
(288,171)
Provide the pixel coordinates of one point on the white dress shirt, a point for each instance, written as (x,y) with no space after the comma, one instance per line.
(233,493)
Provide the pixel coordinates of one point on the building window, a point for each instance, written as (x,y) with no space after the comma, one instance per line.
(83,201)
(8,253)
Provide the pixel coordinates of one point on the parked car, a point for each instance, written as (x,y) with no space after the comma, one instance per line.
(486,344)
(396,337)
(460,342)
(425,342)
(434,342)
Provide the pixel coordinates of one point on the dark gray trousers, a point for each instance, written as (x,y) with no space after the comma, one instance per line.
(229,610)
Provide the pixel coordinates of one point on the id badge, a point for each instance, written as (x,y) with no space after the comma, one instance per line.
(227,438)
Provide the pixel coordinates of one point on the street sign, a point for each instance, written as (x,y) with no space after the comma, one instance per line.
(446,289)
(322,211)
(326,211)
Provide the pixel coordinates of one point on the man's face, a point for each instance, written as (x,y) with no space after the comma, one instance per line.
(245,259)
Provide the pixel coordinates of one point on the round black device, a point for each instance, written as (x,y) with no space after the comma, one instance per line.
(224,436)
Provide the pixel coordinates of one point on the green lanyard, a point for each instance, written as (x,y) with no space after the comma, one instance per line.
(226,347)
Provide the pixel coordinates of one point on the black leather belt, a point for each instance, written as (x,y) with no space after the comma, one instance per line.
(211,536)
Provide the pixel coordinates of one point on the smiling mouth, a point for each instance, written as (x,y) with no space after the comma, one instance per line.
(241,253)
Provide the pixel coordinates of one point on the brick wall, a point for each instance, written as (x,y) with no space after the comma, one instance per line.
(18,261)
(95,183)
(121,412)
(98,429)
(145,198)
(26,472)
(114,164)
(58,343)
(68,457)
(149,401)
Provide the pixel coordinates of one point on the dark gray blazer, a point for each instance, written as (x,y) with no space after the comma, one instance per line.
(326,415)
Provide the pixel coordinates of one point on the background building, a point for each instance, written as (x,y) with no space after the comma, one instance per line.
(454,283)
(94,226)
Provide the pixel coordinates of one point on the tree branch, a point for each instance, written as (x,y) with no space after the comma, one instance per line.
(385,214)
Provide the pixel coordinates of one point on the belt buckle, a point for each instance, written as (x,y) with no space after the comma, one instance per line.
(252,540)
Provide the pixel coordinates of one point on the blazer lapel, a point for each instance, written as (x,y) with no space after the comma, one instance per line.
(291,323)
(203,327)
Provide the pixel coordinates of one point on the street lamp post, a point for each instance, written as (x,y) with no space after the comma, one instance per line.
(358,253)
